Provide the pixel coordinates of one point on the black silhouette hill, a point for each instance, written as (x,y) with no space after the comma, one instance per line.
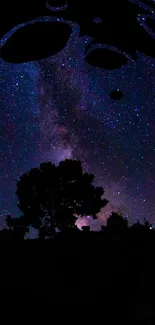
(110,268)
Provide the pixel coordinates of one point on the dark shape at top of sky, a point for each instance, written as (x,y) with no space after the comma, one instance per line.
(146,4)
(151,24)
(116,94)
(56,5)
(98,20)
(36,41)
(105,58)
(127,25)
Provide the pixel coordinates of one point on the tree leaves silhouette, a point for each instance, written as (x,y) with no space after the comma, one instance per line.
(53,197)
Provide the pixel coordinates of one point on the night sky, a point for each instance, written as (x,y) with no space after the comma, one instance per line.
(60,107)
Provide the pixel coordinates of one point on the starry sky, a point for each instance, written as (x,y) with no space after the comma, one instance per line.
(60,107)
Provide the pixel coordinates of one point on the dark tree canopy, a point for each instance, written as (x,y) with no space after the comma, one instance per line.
(53,197)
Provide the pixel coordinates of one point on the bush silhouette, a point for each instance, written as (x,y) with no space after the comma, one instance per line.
(117,222)
(86,228)
(17,227)
(147,224)
(53,197)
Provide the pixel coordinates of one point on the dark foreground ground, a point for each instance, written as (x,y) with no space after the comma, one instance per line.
(112,274)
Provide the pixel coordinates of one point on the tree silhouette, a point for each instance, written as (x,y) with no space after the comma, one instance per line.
(18,227)
(53,197)
(6,234)
(117,222)
(86,228)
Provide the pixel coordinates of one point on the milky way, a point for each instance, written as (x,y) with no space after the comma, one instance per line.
(60,107)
